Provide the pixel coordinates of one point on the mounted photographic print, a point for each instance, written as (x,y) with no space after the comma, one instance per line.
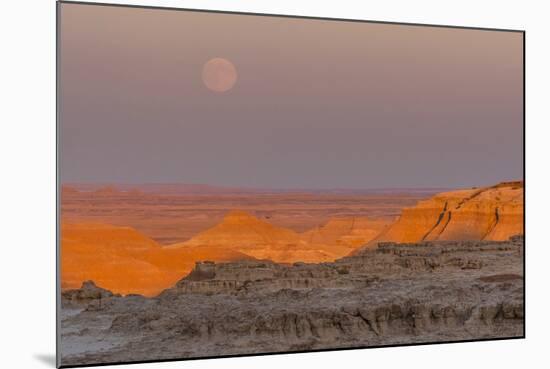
(241,184)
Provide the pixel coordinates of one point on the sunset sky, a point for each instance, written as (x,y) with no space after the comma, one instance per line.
(310,103)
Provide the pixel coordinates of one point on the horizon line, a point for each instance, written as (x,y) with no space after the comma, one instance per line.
(277,189)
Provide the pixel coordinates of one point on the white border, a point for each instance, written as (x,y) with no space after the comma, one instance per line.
(27,150)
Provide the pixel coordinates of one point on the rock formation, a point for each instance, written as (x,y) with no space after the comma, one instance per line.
(351,232)
(86,295)
(249,235)
(397,293)
(488,213)
(126,261)
(244,231)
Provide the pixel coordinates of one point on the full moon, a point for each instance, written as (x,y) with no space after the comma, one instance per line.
(219,74)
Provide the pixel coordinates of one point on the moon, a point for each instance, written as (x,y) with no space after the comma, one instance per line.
(219,75)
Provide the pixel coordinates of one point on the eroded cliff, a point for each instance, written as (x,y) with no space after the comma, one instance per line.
(488,213)
(396,293)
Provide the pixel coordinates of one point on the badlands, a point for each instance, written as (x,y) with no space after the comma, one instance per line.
(382,269)
(430,291)
(119,247)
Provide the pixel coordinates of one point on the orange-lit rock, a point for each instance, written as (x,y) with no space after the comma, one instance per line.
(126,261)
(490,213)
(350,232)
(245,233)
(244,230)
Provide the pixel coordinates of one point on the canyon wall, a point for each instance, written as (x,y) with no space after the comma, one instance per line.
(489,213)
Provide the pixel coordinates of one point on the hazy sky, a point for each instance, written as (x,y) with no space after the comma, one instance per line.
(317,104)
